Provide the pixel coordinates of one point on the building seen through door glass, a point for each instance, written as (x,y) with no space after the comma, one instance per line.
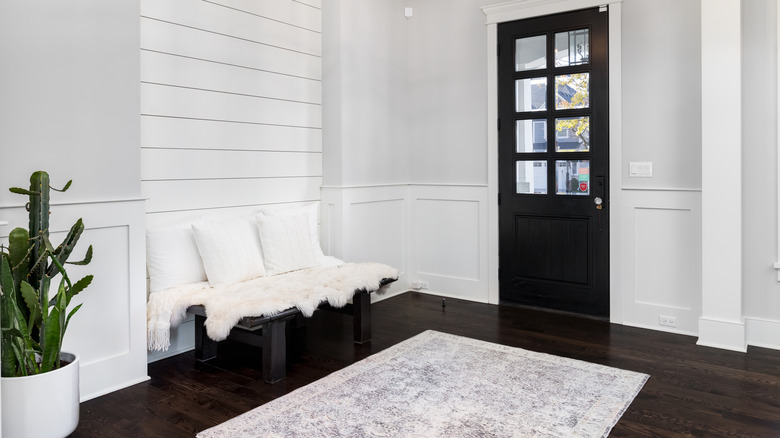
(572,134)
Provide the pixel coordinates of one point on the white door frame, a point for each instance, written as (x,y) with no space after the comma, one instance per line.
(522,9)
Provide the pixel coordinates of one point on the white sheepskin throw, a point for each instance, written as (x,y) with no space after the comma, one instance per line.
(263,296)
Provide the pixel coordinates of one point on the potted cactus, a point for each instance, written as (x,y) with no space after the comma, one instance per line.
(36,374)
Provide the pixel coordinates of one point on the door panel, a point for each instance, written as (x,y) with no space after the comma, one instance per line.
(553,162)
(552,248)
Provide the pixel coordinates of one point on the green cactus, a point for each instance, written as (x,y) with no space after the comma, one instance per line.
(33,324)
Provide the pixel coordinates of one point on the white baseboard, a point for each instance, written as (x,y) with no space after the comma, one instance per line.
(763,332)
(728,335)
(117,387)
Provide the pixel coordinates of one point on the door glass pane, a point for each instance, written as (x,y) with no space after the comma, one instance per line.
(531,135)
(572,48)
(572,134)
(572,91)
(531,177)
(530,53)
(531,94)
(572,177)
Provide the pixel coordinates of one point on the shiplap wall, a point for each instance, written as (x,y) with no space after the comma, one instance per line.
(231,114)
(230,105)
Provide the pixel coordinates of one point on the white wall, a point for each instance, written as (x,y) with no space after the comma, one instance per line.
(70,102)
(69,87)
(661,67)
(759,172)
(447,92)
(364,99)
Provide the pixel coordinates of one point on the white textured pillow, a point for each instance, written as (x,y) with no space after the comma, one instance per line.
(230,250)
(172,257)
(286,241)
(312,211)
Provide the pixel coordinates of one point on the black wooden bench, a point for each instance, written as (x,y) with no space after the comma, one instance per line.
(270,332)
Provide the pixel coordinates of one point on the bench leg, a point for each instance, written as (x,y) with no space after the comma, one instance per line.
(361,317)
(205,347)
(274,351)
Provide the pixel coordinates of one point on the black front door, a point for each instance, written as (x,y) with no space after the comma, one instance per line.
(554,161)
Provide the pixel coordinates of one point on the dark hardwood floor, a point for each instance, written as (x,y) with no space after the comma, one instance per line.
(692,391)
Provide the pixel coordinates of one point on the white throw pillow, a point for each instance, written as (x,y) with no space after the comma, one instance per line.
(313,214)
(286,241)
(230,250)
(172,257)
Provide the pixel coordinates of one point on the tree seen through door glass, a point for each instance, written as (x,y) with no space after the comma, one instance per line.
(572,134)
(572,177)
(531,135)
(530,53)
(531,94)
(572,91)
(531,177)
(572,48)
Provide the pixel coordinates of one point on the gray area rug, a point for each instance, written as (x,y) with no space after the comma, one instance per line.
(441,385)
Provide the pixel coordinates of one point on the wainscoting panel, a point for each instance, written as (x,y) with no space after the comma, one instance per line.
(449,240)
(661,267)
(375,227)
(361,224)
(443,249)
(666,253)
(109,331)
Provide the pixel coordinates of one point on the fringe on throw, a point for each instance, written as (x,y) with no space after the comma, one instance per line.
(157,340)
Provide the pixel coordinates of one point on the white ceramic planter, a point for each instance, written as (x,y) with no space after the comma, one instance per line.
(44,405)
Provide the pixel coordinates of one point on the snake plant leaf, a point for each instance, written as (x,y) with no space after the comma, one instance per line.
(52,342)
(50,353)
(67,321)
(15,337)
(8,362)
(67,186)
(13,332)
(86,260)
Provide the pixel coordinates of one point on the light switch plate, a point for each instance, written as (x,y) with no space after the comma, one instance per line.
(640,169)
